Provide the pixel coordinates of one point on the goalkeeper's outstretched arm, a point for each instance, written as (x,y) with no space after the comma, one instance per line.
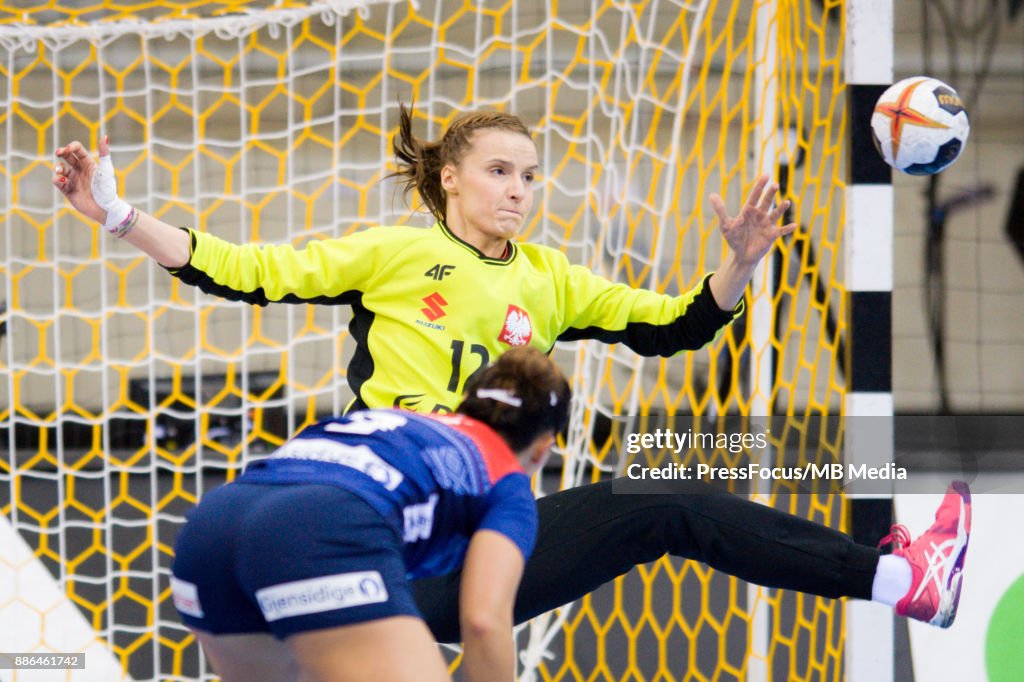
(91,188)
(750,235)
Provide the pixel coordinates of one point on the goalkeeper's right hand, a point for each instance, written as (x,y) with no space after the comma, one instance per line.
(91,187)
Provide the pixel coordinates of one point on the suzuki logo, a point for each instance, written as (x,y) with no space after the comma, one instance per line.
(435,306)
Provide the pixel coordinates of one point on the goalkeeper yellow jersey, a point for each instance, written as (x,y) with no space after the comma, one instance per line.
(430,309)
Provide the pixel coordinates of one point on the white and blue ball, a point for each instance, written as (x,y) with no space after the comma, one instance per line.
(920,125)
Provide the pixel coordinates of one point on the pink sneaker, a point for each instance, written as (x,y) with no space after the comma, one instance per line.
(936,559)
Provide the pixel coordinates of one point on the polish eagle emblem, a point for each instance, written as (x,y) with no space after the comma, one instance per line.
(517,330)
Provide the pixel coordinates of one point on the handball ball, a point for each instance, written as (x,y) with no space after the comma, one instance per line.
(920,125)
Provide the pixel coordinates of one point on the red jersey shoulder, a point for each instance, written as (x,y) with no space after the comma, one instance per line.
(497,456)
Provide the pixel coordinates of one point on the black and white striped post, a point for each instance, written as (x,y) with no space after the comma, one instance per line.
(868,254)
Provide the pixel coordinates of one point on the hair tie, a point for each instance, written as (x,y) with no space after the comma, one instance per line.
(554,399)
(501,395)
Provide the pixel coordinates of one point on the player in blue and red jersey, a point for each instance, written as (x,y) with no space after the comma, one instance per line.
(303,565)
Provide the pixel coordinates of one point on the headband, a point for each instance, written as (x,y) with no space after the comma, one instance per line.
(501,395)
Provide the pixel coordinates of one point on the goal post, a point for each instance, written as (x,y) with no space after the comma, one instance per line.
(126,395)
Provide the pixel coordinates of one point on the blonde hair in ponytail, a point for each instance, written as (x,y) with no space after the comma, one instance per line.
(420,161)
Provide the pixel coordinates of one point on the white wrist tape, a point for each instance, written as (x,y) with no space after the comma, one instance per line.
(104,191)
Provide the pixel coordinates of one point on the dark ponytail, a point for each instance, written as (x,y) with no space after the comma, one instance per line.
(420,161)
(521,396)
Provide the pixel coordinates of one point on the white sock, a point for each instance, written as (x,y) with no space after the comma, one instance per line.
(892,579)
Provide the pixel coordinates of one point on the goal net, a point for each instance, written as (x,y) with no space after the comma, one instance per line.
(126,395)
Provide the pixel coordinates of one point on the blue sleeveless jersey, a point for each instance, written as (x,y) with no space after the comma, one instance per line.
(437,479)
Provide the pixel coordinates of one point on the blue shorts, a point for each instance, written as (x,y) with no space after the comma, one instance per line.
(285,559)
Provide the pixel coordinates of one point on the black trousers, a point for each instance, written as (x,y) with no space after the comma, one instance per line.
(589,536)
